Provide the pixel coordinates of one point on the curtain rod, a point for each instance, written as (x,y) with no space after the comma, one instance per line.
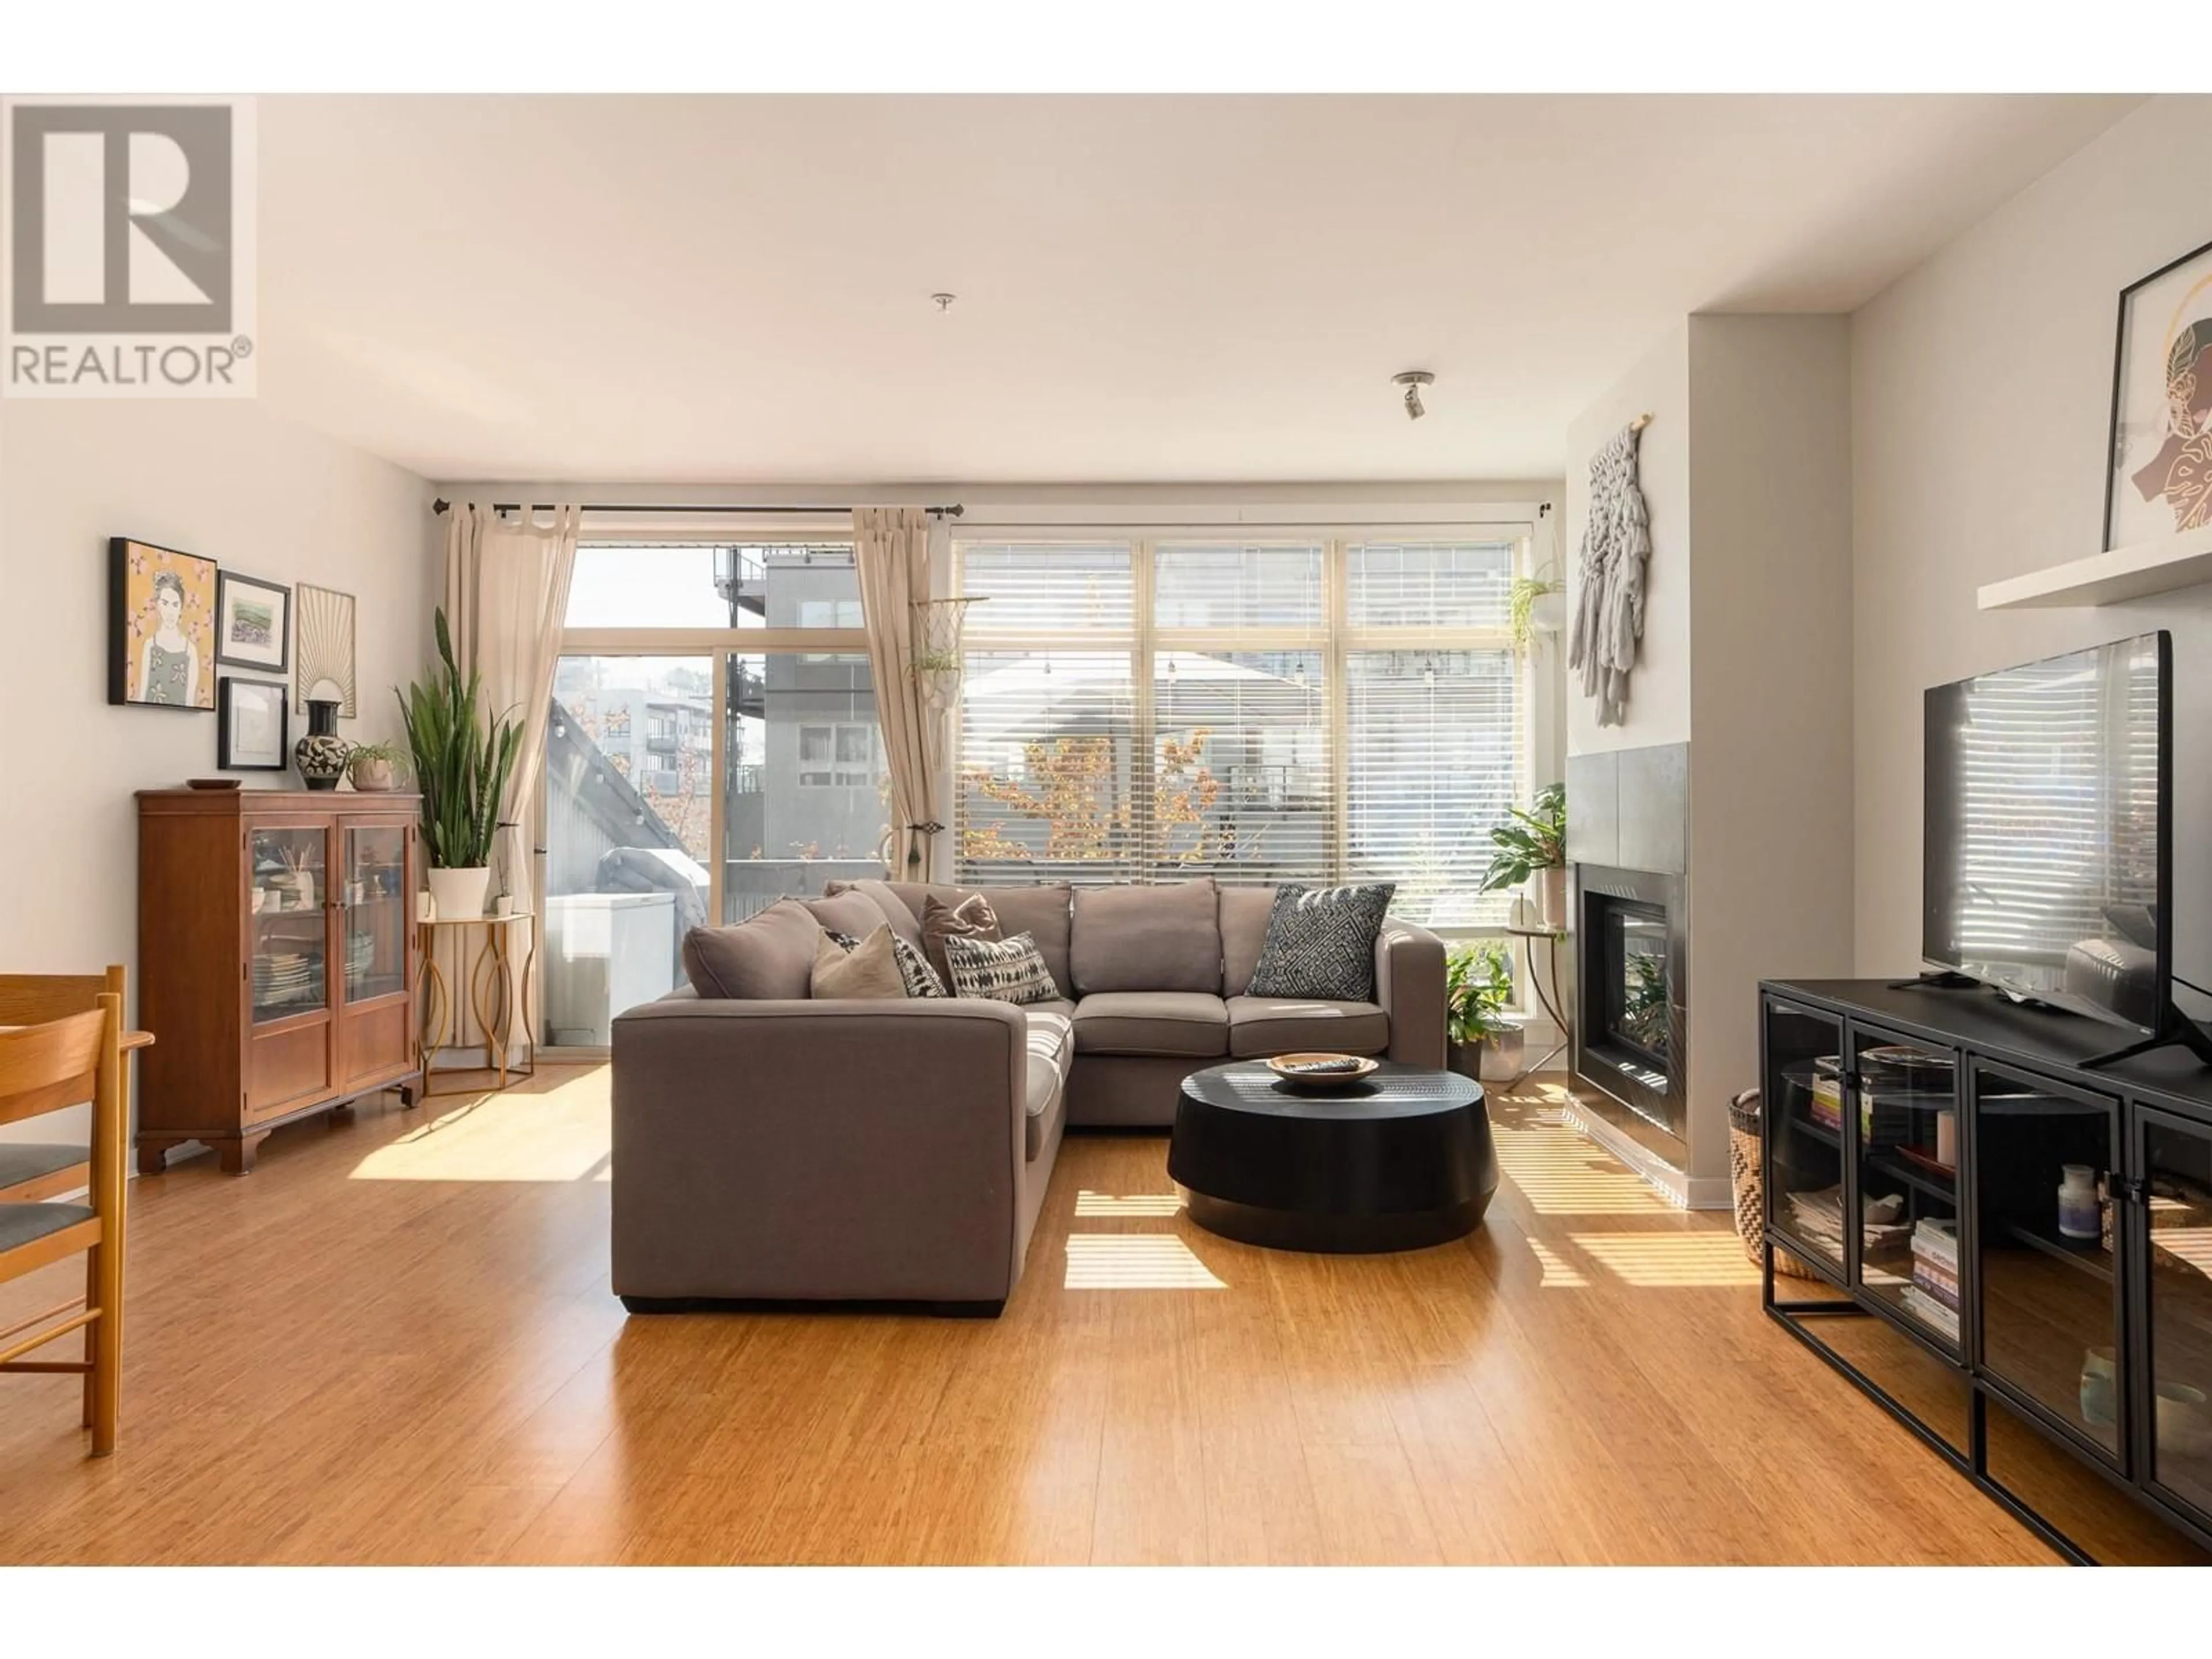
(953,510)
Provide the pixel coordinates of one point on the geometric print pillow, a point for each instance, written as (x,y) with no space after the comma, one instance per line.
(1321,943)
(1002,970)
(916,974)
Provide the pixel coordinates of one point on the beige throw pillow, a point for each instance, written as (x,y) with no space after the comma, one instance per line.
(870,968)
(972,918)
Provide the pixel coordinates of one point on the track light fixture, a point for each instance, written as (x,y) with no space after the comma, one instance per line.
(1413,380)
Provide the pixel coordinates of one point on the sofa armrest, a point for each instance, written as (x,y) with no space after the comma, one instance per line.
(1409,983)
(818,1150)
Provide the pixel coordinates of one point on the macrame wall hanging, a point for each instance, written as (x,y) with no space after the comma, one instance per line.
(1609,577)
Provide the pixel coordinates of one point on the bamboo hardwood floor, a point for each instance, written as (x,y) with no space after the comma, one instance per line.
(395,1343)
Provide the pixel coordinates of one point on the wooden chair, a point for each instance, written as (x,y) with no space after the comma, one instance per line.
(47,1068)
(41,1169)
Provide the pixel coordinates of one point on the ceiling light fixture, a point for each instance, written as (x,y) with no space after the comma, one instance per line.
(944,302)
(1413,380)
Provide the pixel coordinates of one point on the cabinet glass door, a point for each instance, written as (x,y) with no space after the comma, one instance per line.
(2176,1201)
(2045,1249)
(1906,1144)
(1803,1117)
(374,902)
(289,926)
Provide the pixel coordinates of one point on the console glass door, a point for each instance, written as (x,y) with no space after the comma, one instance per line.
(2046,1251)
(1803,1114)
(2177,1168)
(1906,1144)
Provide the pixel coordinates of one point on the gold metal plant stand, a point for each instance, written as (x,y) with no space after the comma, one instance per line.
(493,971)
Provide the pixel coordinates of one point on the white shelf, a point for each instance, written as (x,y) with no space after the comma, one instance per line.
(2123,573)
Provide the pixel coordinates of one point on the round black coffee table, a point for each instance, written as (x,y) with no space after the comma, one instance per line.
(1399,1161)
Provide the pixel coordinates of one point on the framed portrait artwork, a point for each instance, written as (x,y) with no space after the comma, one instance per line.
(160,643)
(2161,482)
(254,724)
(325,664)
(252,623)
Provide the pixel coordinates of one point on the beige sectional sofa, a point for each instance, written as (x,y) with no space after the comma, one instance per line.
(771,1148)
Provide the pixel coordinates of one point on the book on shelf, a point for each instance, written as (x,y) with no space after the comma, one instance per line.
(1931,1283)
(1937,1241)
(1931,1312)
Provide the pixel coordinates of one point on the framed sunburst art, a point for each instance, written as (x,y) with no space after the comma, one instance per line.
(323,621)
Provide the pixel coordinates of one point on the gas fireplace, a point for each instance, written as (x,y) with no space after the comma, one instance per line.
(1630,1041)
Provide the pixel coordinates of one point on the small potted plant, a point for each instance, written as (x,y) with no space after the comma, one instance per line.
(375,767)
(1484,1042)
(1532,851)
(1533,606)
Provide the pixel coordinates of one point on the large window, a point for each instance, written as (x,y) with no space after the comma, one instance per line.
(1317,710)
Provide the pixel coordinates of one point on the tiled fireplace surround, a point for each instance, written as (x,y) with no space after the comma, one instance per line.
(1628,850)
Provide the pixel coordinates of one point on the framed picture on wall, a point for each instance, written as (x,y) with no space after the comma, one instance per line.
(252,623)
(160,626)
(2161,482)
(326,663)
(254,725)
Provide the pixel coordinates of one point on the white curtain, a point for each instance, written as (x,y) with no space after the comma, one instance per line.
(506,594)
(890,546)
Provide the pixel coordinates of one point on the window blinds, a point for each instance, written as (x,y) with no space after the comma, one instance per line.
(1258,711)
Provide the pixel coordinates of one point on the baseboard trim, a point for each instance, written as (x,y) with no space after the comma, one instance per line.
(1681,1190)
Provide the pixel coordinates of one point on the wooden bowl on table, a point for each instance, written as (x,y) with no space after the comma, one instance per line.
(1321,1073)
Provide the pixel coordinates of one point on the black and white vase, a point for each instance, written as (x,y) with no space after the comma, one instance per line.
(321,754)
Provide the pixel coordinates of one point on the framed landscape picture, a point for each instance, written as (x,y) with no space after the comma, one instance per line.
(254,724)
(160,626)
(2161,482)
(253,624)
(325,664)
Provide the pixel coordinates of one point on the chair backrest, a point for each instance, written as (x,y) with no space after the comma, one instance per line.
(34,999)
(43,1068)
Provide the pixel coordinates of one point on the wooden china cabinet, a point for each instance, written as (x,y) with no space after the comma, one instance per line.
(276,961)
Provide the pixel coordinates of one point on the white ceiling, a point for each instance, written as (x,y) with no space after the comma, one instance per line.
(737,289)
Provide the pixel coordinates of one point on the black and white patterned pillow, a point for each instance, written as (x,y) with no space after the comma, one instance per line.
(1001,969)
(1321,943)
(916,974)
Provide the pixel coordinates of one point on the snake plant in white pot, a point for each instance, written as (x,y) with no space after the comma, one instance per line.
(463,758)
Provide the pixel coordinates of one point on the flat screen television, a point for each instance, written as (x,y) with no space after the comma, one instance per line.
(2048,868)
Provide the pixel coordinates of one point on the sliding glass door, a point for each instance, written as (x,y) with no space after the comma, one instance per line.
(712,746)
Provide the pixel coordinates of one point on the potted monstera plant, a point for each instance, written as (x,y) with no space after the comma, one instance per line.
(463,757)
(1531,851)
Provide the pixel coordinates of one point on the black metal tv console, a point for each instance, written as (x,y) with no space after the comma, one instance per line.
(2028,1288)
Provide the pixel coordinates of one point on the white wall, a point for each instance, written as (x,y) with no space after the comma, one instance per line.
(1659,689)
(1981,395)
(1770,767)
(223,479)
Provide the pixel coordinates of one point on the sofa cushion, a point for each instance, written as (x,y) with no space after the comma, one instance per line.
(905,920)
(999,969)
(1052,1049)
(1184,1023)
(944,919)
(858,967)
(1321,943)
(1162,938)
(1262,1026)
(1041,911)
(1245,911)
(852,912)
(768,955)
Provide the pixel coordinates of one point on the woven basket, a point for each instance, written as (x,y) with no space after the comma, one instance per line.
(1746,1173)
